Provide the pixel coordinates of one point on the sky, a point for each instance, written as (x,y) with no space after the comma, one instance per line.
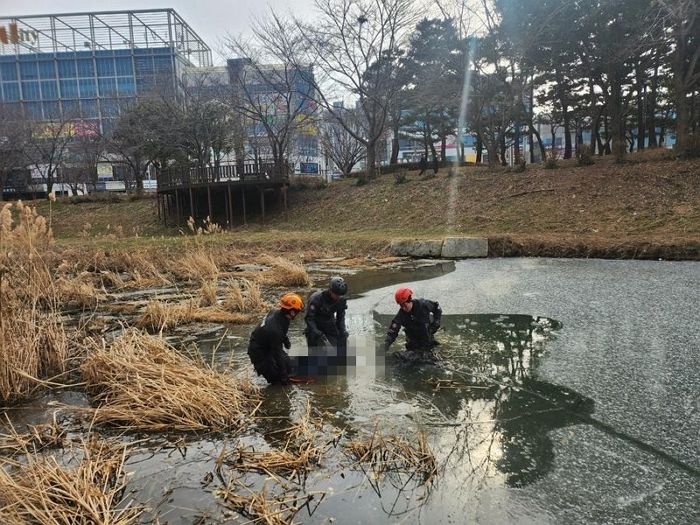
(211,19)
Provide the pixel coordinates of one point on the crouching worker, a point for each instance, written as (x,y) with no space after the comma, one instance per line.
(420,319)
(325,318)
(269,339)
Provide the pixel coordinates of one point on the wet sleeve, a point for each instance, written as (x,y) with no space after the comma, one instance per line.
(393,331)
(436,310)
(340,318)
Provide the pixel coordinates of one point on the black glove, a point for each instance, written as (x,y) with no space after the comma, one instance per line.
(286,342)
(434,327)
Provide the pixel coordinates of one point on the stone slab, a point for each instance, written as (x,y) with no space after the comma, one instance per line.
(416,248)
(464,247)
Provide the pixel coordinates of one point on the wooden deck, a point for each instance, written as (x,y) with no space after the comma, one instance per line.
(228,195)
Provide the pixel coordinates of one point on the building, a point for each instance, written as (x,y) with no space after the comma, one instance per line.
(87,67)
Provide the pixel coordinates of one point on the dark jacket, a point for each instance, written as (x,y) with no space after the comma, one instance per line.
(266,347)
(418,325)
(326,317)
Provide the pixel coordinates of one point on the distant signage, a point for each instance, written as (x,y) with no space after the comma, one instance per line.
(13,35)
(308,167)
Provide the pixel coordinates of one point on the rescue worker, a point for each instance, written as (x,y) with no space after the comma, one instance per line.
(420,319)
(325,317)
(269,338)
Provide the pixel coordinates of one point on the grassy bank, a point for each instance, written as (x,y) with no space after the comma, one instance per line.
(646,208)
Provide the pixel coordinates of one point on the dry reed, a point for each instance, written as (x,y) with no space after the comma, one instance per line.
(42,491)
(38,437)
(195,266)
(265,507)
(207,293)
(141,383)
(284,272)
(393,454)
(33,342)
(299,454)
(243,296)
(159,316)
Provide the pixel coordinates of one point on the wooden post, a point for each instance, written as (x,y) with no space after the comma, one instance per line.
(211,214)
(192,213)
(230,206)
(262,202)
(284,194)
(158,199)
(245,221)
(177,207)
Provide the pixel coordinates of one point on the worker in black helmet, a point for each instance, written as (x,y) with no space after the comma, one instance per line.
(325,317)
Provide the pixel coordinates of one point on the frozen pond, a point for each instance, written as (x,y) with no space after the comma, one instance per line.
(567,393)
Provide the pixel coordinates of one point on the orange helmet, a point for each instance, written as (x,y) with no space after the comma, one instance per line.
(403,295)
(291,301)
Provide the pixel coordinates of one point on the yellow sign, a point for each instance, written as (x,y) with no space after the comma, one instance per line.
(15,35)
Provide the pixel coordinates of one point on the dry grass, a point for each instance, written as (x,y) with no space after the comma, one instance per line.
(244,296)
(42,491)
(141,383)
(159,316)
(207,293)
(299,454)
(38,437)
(393,454)
(265,507)
(80,292)
(284,272)
(196,265)
(33,342)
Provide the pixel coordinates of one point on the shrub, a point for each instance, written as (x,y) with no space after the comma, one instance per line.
(519,167)
(400,177)
(552,161)
(584,155)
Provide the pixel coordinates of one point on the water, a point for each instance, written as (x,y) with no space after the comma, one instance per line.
(567,393)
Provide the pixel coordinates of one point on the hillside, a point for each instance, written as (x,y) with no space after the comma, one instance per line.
(647,207)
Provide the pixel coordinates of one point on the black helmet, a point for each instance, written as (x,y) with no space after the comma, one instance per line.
(338,285)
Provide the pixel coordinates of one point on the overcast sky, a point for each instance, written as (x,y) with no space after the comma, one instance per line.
(211,19)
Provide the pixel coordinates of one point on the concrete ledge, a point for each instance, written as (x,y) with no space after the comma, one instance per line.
(416,248)
(464,247)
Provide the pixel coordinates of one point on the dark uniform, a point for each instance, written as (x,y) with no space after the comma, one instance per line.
(266,347)
(325,318)
(420,325)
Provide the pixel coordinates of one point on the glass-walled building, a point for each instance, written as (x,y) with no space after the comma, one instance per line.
(87,67)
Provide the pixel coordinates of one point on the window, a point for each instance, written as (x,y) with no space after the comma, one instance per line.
(126,86)
(8,71)
(105,67)
(88,87)
(66,69)
(28,70)
(47,69)
(86,68)
(71,108)
(110,107)
(33,110)
(69,88)
(124,66)
(52,110)
(30,91)
(49,90)
(108,87)
(10,91)
(89,108)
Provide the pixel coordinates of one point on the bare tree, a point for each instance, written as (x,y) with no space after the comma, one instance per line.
(12,143)
(84,152)
(271,90)
(344,150)
(46,146)
(355,46)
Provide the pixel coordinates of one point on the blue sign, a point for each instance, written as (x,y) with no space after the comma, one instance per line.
(308,167)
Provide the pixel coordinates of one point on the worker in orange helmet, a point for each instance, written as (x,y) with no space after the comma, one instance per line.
(420,319)
(269,339)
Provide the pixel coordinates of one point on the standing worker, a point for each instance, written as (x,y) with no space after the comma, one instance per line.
(325,317)
(420,319)
(269,338)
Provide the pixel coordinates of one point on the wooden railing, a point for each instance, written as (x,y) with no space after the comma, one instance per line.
(170,178)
